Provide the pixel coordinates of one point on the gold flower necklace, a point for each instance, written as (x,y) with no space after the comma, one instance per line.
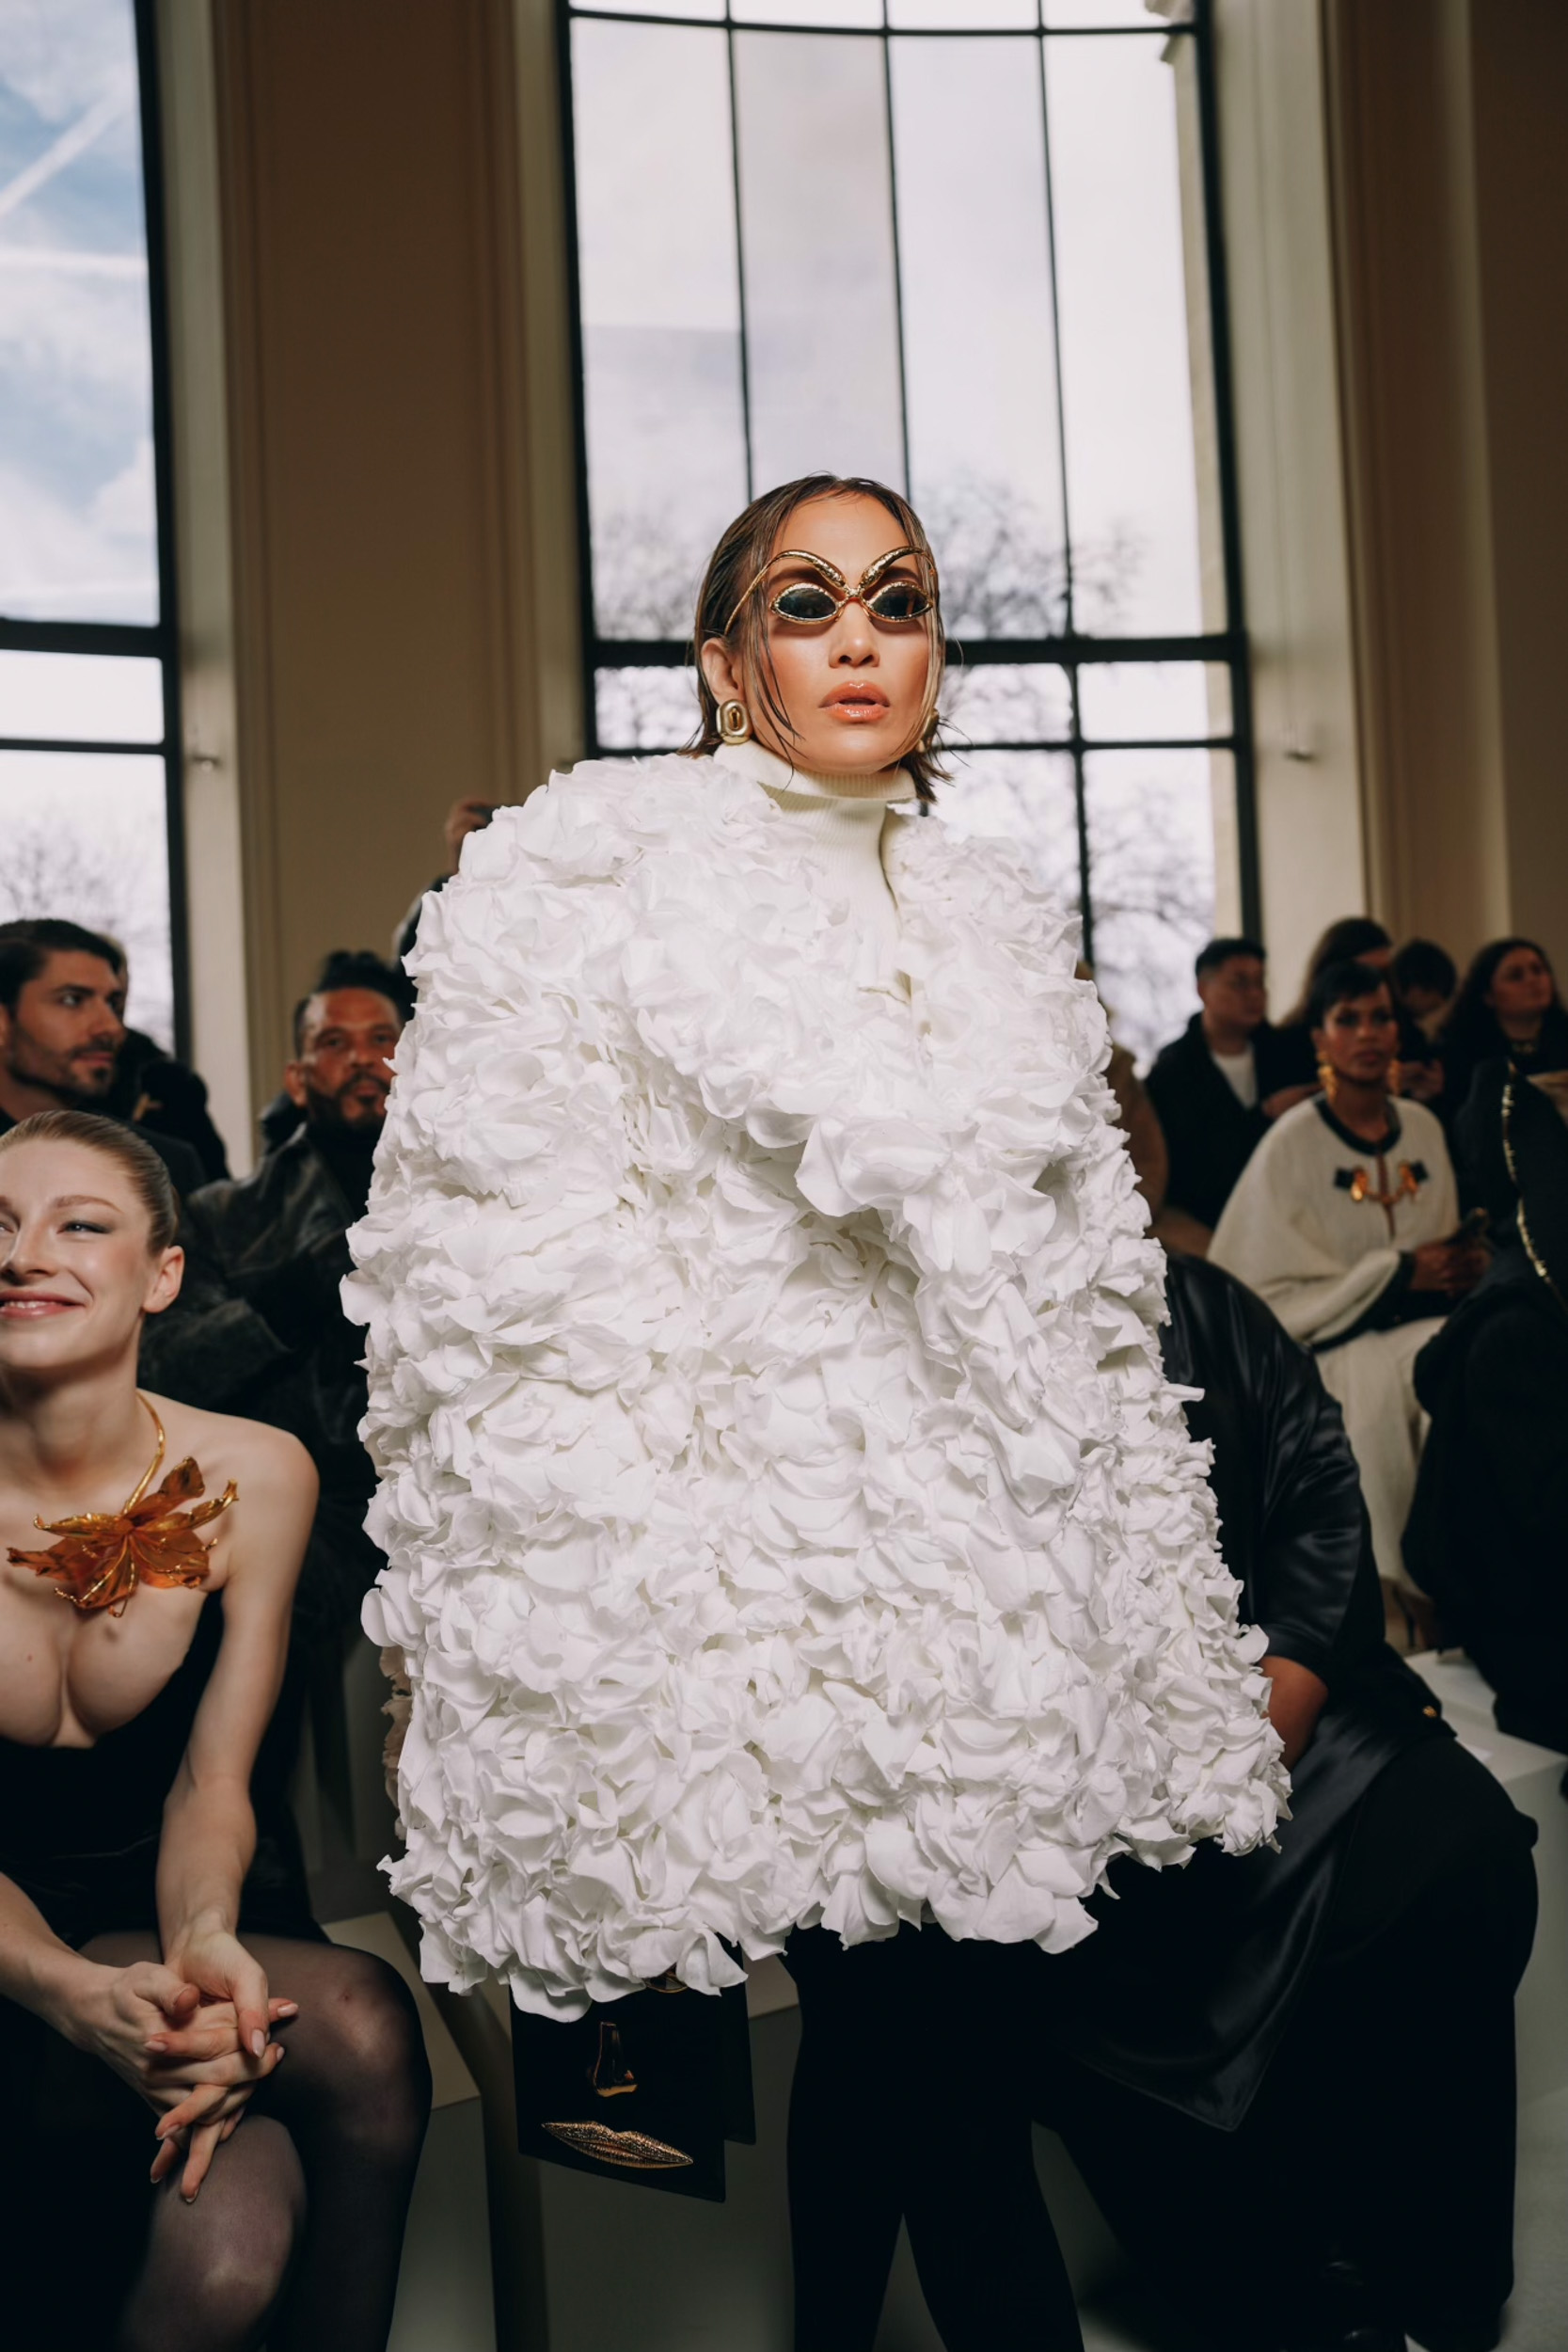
(104,1555)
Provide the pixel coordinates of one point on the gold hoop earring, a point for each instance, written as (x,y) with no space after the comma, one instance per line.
(734,723)
(1395,1079)
(1328,1078)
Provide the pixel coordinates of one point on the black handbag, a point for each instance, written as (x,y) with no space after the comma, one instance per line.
(645,2090)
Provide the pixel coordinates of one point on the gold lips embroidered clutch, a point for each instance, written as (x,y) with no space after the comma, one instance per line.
(634,2150)
(104,1555)
(645,2090)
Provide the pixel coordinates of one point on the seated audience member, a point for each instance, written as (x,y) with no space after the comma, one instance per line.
(1345,1221)
(149,1989)
(165,1097)
(1424,977)
(1221,2069)
(1215,1090)
(1355,939)
(258,1326)
(341,967)
(1423,980)
(62,1029)
(1508,1010)
(1488,1535)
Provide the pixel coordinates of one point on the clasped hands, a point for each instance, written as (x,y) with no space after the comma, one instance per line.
(193,2035)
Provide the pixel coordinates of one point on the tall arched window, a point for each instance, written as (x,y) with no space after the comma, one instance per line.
(87,643)
(964,245)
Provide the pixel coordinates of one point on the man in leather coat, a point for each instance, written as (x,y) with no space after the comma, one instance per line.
(258,1328)
(1223,2072)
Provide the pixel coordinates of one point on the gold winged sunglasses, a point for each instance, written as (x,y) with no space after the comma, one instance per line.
(809,603)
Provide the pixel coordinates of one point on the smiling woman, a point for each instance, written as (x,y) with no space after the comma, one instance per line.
(147,1989)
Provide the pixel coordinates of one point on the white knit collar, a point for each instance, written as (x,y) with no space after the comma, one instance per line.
(778,777)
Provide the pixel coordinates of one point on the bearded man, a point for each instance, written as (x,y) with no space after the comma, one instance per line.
(63,1034)
(258,1328)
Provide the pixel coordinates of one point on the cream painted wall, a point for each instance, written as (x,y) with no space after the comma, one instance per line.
(1411,356)
(1448,124)
(394,650)
(1519,114)
(1291,463)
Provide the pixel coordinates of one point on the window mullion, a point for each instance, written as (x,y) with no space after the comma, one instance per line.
(1068,613)
(897,257)
(740,260)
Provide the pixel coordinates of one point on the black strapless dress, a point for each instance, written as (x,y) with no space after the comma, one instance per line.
(79,1827)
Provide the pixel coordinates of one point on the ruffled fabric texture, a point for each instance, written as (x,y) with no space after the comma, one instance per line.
(787,1518)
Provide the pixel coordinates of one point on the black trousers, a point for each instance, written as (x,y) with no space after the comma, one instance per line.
(1386,2124)
(909,2103)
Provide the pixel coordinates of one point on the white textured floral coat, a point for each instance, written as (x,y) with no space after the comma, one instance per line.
(787,1518)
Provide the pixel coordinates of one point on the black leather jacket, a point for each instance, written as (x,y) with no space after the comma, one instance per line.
(1188,1985)
(257,1329)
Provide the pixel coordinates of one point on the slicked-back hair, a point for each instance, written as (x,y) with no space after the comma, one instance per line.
(735,561)
(137,1162)
(27,946)
(1218,951)
(356,967)
(1344,983)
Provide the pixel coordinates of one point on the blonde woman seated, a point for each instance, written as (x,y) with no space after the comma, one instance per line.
(1345,1221)
(155,1994)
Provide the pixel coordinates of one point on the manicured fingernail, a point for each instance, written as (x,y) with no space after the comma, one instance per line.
(258,2042)
(288,2009)
(157,2042)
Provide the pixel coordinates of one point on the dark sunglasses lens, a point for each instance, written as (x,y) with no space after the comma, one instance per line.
(804,600)
(901,600)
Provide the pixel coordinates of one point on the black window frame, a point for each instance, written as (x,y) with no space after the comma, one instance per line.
(156,640)
(1072,650)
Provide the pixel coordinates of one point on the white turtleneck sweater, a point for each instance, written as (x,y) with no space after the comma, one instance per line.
(841,820)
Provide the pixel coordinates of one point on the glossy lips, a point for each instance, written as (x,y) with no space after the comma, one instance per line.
(857,705)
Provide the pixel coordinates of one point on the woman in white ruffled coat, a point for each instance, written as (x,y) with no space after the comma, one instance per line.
(792,1540)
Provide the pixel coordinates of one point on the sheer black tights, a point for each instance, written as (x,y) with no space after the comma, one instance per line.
(908,2106)
(295,2236)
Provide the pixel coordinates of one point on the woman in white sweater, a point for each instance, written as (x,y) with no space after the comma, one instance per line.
(1346,1221)
(791,1536)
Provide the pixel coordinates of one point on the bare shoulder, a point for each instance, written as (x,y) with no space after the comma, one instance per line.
(260,1460)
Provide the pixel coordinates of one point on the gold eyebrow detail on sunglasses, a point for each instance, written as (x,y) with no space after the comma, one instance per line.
(865,584)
